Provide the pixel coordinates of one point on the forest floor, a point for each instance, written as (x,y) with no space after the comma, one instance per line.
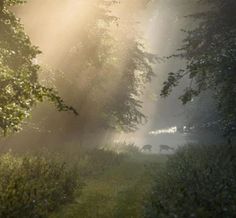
(119,191)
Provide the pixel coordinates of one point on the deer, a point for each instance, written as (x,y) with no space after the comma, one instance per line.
(165,147)
(147,148)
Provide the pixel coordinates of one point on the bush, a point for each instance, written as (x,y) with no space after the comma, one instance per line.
(97,161)
(126,148)
(33,186)
(198,181)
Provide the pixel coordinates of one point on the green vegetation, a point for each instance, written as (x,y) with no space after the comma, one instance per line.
(103,75)
(209,50)
(32,187)
(20,89)
(198,181)
(102,67)
(120,189)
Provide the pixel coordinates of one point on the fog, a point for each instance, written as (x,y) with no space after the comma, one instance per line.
(61,29)
(117,108)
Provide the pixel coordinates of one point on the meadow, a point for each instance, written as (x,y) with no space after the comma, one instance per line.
(117,187)
(196,181)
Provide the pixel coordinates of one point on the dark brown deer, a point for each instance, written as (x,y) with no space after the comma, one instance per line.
(165,147)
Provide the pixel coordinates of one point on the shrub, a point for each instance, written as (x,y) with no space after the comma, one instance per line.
(33,186)
(198,181)
(97,160)
(131,149)
(120,147)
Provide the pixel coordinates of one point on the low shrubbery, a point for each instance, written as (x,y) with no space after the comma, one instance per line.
(198,181)
(34,186)
(116,186)
(126,148)
(96,161)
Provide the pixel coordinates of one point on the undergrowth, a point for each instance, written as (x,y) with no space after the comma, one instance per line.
(197,182)
(34,186)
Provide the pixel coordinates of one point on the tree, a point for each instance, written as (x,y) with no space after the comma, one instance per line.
(210,53)
(103,75)
(20,89)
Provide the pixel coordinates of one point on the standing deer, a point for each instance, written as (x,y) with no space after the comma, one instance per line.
(166,147)
(147,148)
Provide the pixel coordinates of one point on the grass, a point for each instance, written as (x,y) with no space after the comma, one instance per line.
(197,182)
(120,190)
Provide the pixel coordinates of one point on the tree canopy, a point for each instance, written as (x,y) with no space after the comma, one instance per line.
(210,53)
(20,89)
(103,74)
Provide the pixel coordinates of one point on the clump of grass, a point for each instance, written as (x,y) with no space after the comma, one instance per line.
(34,186)
(198,181)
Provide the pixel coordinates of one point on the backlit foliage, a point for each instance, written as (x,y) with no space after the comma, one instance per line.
(34,186)
(210,52)
(19,86)
(198,181)
(103,74)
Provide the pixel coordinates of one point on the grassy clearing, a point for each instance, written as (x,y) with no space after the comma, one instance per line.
(119,190)
(197,181)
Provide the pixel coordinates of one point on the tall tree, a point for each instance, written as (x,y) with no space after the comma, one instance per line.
(210,53)
(20,89)
(105,70)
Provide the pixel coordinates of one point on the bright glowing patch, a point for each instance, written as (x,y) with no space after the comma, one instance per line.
(171,130)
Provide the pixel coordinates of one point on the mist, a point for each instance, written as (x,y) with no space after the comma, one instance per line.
(117,108)
(60,29)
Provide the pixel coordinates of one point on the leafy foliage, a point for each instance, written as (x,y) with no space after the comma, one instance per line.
(34,186)
(198,181)
(125,148)
(210,52)
(97,161)
(105,70)
(19,86)
(125,105)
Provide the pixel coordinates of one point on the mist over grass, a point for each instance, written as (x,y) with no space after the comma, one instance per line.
(103,64)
